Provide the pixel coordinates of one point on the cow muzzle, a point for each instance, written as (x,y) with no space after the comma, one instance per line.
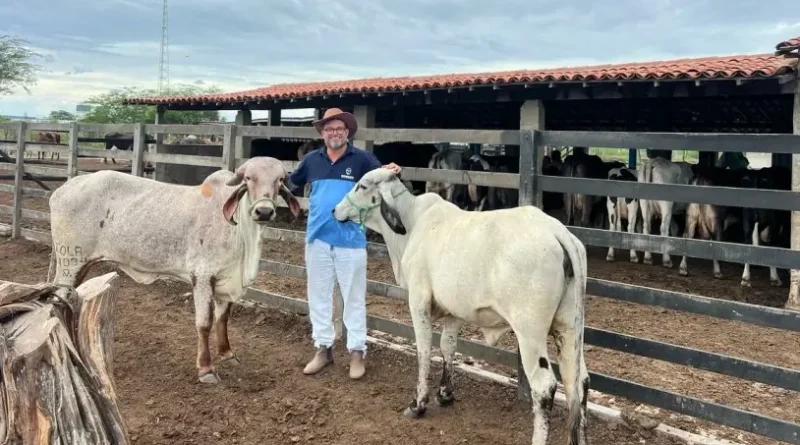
(263,210)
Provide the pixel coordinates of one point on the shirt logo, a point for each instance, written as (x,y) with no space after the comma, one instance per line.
(347,174)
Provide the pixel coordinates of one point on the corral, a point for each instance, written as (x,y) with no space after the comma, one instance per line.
(673,321)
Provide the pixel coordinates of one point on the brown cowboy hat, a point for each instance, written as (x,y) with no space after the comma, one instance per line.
(335,113)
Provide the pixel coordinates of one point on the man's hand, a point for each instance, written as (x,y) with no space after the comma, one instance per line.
(393,167)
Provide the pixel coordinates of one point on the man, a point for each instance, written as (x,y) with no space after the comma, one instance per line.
(335,251)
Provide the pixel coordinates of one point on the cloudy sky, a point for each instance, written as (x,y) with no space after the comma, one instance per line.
(92,46)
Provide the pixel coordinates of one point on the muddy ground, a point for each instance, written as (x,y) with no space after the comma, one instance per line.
(746,341)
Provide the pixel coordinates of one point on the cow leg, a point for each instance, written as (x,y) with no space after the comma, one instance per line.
(420,308)
(222,312)
(532,340)
(769,236)
(647,216)
(666,221)
(447,343)
(719,228)
(614,223)
(754,238)
(202,317)
(633,219)
(689,232)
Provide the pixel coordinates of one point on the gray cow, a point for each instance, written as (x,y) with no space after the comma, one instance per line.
(207,235)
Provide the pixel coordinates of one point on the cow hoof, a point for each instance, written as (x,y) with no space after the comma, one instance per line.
(610,258)
(445,399)
(647,261)
(775,283)
(683,272)
(718,275)
(634,259)
(209,378)
(229,358)
(667,264)
(745,283)
(414,413)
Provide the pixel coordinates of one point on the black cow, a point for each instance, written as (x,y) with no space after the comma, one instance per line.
(581,208)
(766,226)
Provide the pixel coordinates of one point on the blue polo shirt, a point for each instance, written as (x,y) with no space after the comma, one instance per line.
(330,182)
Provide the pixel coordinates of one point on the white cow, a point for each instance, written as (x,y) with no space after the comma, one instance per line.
(622,209)
(661,171)
(207,235)
(535,284)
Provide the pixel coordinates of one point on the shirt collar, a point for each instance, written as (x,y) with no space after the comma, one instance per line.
(350,149)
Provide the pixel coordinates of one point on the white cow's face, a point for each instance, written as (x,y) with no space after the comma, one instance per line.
(373,191)
(263,178)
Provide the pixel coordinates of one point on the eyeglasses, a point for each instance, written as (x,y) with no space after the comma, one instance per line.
(335,130)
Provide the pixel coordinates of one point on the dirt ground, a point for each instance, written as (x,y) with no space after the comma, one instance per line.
(266,398)
(772,346)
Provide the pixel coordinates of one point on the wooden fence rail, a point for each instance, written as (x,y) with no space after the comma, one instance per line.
(530,182)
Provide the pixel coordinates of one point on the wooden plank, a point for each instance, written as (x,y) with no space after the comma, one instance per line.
(198,130)
(174,158)
(33,235)
(738,142)
(26,191)
(48,171)
(712,307)
(32,147)
(701,194)
(48,126)
(107,128)
(489,179)
(192,146)
(26,214)
(102,153)
(695,248)
(418,135)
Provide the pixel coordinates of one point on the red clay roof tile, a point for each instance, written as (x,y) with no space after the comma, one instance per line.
(721,67)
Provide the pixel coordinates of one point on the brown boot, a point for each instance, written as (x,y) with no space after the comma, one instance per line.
(322,358)
(356,365)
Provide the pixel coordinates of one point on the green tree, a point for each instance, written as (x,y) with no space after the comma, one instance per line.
(60,115)
(109,107)
(16,66)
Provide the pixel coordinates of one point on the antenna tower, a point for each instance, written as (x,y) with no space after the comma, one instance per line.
(163,67)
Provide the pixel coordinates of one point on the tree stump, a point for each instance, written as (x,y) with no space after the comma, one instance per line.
(56,380)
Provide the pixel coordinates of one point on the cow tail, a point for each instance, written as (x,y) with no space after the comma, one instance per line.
(573,304)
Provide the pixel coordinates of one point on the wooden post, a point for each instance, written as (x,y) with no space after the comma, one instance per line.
(72,162)
(159,172)
(793,302)
(229,148)
(138,150)
(531,156)
(244,144)
(365,115)
(16,224)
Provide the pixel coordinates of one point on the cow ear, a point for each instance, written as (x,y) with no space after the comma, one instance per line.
(294,204)
(388,211)
(232,203)
(392,218)
(236,180)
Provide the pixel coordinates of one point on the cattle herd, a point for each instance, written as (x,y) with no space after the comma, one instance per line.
(689,220)
(210,236)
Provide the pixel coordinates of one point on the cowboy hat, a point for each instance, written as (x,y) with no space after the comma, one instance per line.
(335,113)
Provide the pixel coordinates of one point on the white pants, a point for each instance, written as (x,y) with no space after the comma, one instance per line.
(324,265)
